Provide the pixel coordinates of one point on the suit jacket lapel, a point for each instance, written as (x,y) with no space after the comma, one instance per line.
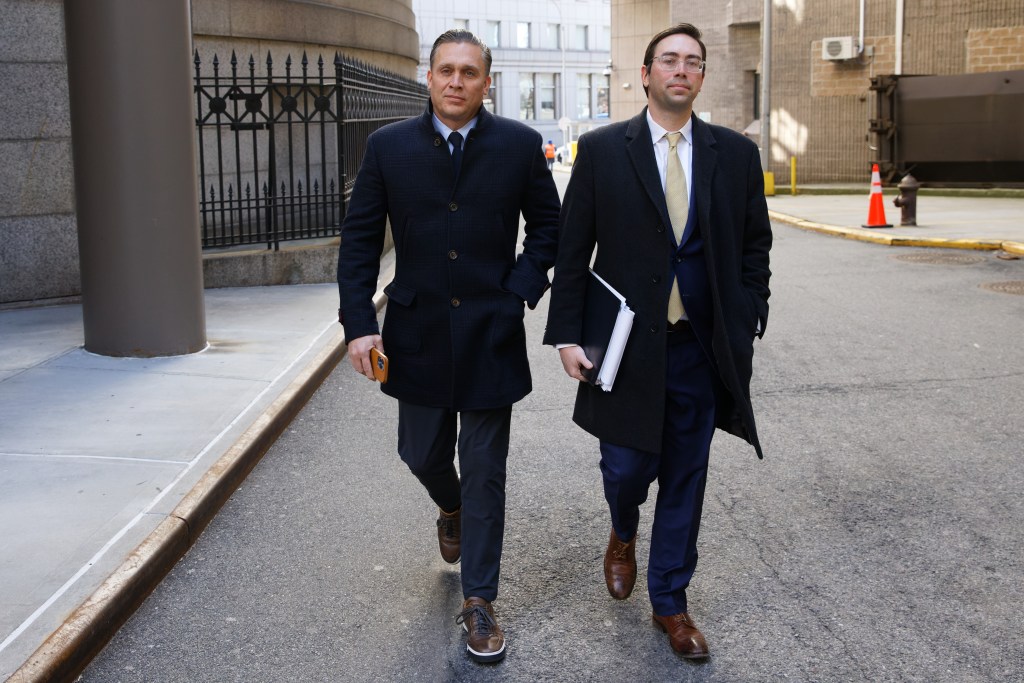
(641,153)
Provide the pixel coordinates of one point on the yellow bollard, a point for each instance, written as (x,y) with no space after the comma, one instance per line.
(769,184)
(792,176)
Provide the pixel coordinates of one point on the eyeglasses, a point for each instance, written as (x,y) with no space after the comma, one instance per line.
(692,65)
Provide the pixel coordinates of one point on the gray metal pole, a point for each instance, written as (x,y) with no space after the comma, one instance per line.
(766,81)
(135,188)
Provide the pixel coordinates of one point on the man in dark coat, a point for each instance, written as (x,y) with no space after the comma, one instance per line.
(452,183)
(675,208)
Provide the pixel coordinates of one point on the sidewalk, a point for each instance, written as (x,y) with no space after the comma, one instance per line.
(110,468)
(985,223)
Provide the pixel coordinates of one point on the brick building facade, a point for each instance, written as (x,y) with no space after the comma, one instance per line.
(820,108)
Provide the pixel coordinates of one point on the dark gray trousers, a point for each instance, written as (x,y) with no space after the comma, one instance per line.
(427,440)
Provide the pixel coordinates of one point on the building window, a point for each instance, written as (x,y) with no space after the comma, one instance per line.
(526,96)
(580,42)
(523,34)
(461,23)
(604,38)
(546,97)
(537,97)
(602,107)
(583,95)
(491,99)
(493,35)
(550,38)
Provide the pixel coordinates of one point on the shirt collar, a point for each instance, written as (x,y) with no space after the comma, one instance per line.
(445,131)
(657,132)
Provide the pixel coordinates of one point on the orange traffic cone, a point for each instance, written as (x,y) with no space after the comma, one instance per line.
(876,209)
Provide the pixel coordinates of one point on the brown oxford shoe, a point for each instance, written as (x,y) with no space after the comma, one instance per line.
(683,635)
(620,566)
(449,535)
(486,642)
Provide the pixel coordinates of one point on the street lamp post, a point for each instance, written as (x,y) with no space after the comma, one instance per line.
(564,120)
(766,80)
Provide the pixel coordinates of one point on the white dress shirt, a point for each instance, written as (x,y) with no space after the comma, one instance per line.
(684,149)
(445,131)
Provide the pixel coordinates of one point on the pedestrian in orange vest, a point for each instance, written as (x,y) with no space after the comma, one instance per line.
(549,154)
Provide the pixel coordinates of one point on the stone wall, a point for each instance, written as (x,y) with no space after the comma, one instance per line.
(38,240)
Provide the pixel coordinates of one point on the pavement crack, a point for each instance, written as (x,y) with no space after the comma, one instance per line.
(797,588)
(903,385)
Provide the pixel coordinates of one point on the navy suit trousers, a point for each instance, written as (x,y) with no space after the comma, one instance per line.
(680,469)
(427,439)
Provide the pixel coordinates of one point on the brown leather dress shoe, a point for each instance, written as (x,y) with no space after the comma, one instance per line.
(683,635)
(486,641)
(620,566)
(449,535)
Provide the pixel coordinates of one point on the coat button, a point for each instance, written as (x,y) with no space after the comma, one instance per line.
(660,228)
(679,259)
(453,254)
(654,328)
(656,279)
(455,302)
(437,142)
(453,207)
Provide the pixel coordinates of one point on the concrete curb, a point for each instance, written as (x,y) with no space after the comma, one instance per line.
(875,237)
(70,648)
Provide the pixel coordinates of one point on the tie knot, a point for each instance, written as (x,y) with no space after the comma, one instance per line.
(456,139)
(673,139)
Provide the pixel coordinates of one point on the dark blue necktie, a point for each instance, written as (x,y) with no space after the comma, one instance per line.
(456,139)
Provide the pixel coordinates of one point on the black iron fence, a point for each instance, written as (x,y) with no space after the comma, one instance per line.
(279,152)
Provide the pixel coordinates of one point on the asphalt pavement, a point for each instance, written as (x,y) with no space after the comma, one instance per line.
(112,468)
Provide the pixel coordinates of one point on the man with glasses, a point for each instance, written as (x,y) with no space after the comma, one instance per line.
(675,209)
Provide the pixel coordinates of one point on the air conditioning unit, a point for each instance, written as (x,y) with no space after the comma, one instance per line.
(835,49)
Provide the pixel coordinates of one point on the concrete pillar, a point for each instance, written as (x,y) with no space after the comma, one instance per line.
(135,189)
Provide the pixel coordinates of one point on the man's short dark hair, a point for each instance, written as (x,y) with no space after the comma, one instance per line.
(461,35)
(685,29)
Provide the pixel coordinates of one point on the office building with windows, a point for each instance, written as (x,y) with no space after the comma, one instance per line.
(550,58)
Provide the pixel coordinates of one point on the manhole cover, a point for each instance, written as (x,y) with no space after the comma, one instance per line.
(940,258)
(1008,287)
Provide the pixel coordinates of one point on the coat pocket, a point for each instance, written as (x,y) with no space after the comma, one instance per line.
(401,330)
(508,325)
(400,294)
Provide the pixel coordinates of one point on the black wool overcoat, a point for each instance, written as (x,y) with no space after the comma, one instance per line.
(453,330)
(615,203)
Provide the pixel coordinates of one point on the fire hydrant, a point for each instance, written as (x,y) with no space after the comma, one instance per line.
(907,200)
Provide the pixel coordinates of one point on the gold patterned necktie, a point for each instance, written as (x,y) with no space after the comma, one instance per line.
(678,209)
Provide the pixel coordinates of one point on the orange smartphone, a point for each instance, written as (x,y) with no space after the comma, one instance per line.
(380,365)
